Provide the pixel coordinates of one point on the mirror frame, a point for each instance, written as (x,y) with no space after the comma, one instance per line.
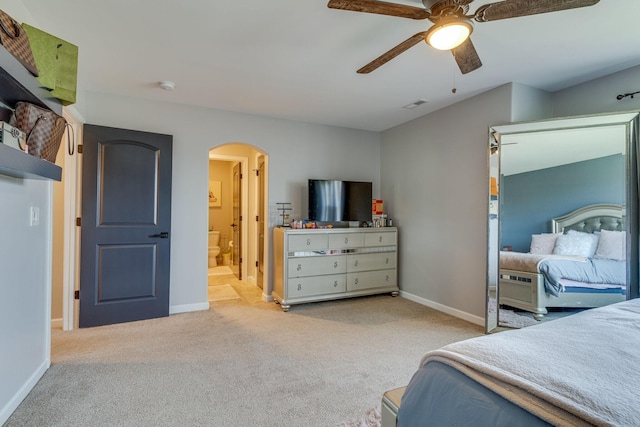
(631,121)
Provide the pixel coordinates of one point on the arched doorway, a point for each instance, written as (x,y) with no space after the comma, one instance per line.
(240,171)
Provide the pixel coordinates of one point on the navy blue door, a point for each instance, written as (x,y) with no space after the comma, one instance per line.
(126,226)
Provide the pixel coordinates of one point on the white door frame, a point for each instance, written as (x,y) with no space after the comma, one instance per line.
(244,167)
(71,235)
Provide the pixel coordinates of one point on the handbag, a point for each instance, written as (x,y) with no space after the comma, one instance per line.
(43,128)
(57,61)
(15,41)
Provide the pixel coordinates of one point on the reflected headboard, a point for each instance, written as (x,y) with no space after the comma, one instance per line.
(603,216)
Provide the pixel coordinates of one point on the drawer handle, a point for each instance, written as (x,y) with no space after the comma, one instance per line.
(299,287)
(299,267)
(355,264)
(335,264)
(308,242)
(356,281)
(346,240)
(335,284)
(386,261)
(380,239)
(387,279)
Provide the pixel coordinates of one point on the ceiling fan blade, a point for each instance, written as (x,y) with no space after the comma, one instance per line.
(388,56)
(380,7)
(515,8)
(466,57)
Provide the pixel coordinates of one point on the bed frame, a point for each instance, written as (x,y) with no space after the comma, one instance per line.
(526,290)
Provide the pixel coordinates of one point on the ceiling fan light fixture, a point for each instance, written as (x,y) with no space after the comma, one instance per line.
(449,33)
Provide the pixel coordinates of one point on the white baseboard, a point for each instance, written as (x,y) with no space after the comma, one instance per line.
(186,308)
(17,398)
(56,323)
(445,309)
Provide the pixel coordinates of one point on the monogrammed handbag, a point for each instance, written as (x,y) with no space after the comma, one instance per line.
(15,41)
(43,128)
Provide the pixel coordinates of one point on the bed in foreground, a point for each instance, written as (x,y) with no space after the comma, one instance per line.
(578,370)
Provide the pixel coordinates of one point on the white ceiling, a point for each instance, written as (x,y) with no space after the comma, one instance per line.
(297,59)
(525,152)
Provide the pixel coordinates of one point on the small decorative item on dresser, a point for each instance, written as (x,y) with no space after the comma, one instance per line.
(44,129)
(16,42)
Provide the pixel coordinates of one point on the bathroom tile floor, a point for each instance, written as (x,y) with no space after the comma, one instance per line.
(225,286)
(220,270)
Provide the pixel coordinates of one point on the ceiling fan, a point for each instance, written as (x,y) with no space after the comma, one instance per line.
(452,26)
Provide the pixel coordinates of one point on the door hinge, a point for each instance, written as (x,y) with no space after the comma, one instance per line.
(257,172)
(257,264)
(78,222)
(76,295)
(257,218)
(79,148)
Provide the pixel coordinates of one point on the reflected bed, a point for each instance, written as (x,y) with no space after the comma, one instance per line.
(572,277)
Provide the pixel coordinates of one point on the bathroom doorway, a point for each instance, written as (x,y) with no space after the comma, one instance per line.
(238,172)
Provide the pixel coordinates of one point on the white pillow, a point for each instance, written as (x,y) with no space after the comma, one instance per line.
(612,245)
(543,244)
(577,243)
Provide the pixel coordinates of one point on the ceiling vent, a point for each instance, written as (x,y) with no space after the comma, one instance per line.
(415,104)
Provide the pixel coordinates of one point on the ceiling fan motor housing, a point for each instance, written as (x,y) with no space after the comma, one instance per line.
(440,8)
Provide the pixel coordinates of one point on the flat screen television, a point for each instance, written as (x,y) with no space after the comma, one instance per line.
(335,200)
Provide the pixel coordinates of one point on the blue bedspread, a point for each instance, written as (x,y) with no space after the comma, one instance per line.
(594,270)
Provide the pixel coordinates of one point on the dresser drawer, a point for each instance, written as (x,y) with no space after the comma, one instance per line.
(308,242)
(371,279)
(374,261)
(316,285)
(346,240)
(314,266)
(380,239)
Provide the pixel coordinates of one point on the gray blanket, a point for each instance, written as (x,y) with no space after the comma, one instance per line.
(594,270)
(578,370)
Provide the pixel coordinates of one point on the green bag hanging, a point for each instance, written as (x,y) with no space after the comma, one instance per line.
(57,61)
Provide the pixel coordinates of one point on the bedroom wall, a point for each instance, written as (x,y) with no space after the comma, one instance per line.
(435,187)
(25,286)
(434,168)
(599,96)
(530,199)
(297,151)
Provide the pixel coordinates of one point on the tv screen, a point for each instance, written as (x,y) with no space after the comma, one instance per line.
(334,200)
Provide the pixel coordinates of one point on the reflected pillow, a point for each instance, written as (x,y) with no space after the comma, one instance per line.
(543,244)
(612,245)
(577,243)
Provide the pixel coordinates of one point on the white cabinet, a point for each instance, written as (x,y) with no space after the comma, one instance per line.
(323,264)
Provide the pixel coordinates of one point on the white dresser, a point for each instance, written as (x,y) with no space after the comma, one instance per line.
(323,264)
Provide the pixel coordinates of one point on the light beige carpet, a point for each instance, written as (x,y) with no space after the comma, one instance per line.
(239,364)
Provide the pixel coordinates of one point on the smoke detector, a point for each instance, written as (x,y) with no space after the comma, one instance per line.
(167,85)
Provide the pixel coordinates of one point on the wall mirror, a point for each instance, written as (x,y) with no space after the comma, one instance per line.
(567,188)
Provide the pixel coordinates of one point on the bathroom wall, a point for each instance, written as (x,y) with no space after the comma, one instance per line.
(221,217)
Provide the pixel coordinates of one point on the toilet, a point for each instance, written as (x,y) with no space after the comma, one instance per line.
(214,248)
